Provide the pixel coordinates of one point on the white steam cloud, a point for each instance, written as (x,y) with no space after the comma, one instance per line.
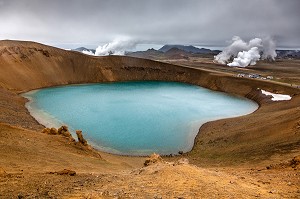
(116,47)
(246,58)
(246,54)
(88,52)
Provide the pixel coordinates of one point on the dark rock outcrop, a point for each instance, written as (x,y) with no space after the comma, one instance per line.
(53,131)
(63,130)
(64,172)
(80,138)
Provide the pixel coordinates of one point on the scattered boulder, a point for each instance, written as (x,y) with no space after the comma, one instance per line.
(46,131)
(64,172)
(53,131)
(80,138)
(152,159)
(180,152)
(63,130)
(293,163)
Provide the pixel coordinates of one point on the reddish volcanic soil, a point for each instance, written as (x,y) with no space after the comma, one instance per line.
(253,156)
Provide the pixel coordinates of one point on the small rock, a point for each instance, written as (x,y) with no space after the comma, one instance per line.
(53,131)
(63,130)
(180,152)
(154,158)
(20,196)
(80,138)
(272,191)
(295,161)
(67,172)
(64,172)
(46,131)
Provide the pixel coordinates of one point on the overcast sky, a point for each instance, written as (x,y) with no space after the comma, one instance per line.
(198,22)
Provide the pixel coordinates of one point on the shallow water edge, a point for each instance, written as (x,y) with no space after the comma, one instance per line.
(51,121)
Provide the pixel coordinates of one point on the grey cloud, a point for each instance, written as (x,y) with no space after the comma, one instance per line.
(198,22)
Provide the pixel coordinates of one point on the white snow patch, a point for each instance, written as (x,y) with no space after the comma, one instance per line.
(277,97)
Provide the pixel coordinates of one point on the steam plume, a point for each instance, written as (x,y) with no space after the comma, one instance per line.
(245,54)
(116,47)
(87,52)
(246,58)
(269,48)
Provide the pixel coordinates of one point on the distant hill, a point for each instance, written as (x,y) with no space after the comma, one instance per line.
(80,49)
(191,49)
(174,52)
(284,54)
(148,54)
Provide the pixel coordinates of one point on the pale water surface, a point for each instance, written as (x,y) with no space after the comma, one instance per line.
(135,118)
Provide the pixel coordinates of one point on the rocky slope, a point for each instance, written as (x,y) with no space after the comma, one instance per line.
(268,136)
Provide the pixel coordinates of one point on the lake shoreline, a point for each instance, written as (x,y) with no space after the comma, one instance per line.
(157,89)
(67,67)
(229,153)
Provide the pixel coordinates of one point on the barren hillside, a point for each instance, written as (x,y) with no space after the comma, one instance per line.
(229,159)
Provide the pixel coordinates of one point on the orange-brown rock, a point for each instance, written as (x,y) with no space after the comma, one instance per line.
(63,130)
(53,131)
(80,138)
(268,136)
(153,159)
(46,130)
(50,131)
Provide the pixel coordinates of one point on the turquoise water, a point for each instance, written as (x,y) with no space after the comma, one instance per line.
(135,118)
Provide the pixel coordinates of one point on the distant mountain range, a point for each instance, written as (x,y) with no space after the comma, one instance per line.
(174,52)
(185,52)
(190,49)
(285,54)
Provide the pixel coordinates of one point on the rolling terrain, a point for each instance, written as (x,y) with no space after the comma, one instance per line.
(245,157)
